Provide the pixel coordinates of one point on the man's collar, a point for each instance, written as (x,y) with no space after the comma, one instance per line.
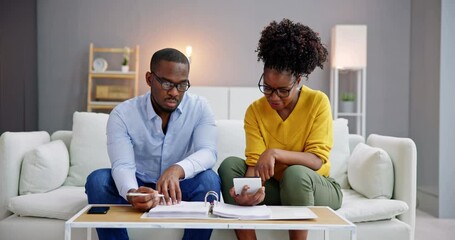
(151,112)
(149,108)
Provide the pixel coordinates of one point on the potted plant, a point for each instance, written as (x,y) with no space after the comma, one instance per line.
(126,59)
(347,102)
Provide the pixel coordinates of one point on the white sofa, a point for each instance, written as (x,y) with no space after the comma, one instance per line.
(42,215)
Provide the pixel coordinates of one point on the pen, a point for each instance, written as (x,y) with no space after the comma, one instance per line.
(135,194)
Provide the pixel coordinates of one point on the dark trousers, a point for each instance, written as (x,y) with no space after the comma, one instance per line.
(100,189)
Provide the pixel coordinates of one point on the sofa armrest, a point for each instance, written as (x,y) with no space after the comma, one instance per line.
(13,146)
(403,154)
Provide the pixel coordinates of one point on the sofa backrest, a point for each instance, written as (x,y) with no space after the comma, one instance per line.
(231,142)
(63,135)
(228,102)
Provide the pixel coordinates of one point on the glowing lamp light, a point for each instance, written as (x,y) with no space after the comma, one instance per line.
(349,46)
(189,51)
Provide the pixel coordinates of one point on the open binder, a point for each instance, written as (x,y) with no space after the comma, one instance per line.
(216,209)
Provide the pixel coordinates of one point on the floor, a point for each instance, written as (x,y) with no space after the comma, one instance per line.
(432,228)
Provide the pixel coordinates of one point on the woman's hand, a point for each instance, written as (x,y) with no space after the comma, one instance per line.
(265,166)
(248,199)
(146,202)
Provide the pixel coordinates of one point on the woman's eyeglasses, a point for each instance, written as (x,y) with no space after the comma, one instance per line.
(280,92)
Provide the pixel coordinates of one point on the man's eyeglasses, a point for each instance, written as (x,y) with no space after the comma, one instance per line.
(280,92)
(166,85)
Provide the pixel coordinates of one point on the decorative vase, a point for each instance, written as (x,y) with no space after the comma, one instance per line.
(347,107)
(125,68)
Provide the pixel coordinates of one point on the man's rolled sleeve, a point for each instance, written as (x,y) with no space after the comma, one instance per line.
(121,154)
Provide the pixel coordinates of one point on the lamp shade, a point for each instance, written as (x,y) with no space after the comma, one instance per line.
(349,46)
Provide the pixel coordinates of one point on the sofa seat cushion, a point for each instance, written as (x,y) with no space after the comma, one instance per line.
(357,208)
(61,203)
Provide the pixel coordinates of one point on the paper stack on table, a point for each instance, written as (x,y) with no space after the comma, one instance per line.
(198,210)
(242,212)
(181,210)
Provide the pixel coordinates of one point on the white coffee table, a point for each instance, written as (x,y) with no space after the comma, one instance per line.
(124,216)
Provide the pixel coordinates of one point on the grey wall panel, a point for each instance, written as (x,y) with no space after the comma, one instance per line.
(224,35)
(18,66)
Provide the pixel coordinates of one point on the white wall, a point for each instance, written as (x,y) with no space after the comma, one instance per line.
(224,35)
(432,98)
(447,128)
(425,85)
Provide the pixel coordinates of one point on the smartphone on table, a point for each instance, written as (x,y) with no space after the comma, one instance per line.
(98,210)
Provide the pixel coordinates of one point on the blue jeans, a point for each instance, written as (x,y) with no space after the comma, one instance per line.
(100,189)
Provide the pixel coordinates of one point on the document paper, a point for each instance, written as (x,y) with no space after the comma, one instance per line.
(197,210)
(242,212)
(181,210)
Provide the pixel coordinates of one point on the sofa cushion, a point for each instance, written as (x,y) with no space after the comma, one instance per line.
(44,168)
(340,152)
(370,172)
(231,140)
(61,203)
(357,208)
(88,149)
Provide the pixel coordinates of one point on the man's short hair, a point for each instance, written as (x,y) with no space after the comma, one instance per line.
(168,54)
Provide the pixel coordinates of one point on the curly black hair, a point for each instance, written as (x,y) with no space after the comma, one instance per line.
(294,47)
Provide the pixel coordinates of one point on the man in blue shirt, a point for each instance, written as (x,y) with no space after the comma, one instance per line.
(163,142)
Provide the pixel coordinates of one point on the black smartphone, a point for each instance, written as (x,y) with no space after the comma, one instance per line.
(98,210)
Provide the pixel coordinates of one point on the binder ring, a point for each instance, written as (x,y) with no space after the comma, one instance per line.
(211,193)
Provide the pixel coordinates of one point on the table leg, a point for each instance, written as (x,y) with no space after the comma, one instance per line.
(354,234)
(89,233)
(67,232)
(326,235)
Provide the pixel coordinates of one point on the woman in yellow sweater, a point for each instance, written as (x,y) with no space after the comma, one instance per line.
(288,131)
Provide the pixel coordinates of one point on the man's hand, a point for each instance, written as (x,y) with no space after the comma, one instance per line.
(144,203)
(168,184)
(265,166)
(247,199)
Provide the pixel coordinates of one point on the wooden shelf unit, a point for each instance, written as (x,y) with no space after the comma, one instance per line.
(113,77)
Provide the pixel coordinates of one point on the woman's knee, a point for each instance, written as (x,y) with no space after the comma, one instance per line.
(299,175)
(232,166)
(297,186)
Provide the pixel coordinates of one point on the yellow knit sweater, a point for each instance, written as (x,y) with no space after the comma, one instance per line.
(307,129)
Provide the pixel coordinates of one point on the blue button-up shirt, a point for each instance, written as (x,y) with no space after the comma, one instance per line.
(138,147)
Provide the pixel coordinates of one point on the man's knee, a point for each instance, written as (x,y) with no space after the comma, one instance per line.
(210,180)
(98,181)
(100,187)
(98,176)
